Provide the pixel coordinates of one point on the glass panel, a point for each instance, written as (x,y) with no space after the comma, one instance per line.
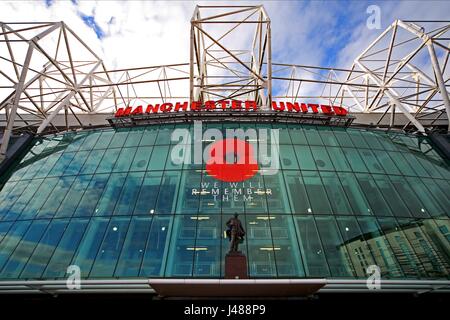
(357,248)
(119,138)
(288,160)
(312,135)
(316,193)
(76,163)
(70,202)
(134,247)
(146,201)
(207,258)
(181,254)
(24,250)
(342,137)
(124,160)
(11,240)
(328,138)
(310,246)
(168,191)
(399,209)
(354,194)
(156,250)
(260,252)
(62,256)
(23,200)
(91,140)
(44,250)
(88,248)
(370,161)
(277,197)
(407,259)
(92,161)
(322,159)
(305,158)
(297,192)
(336,194)
(164,134)
(149,136)
(141,159)
(373,195)
(107,202)
(335,250)
(287,252)
(354,159)
(53,202)
(104,139)
(88,202)
(431,206)
(338,159)
(386,162)
(109,159)
(380,248)
(409,197)
(158,158)
(134,137)
(402,164)
(109,251)
(357,138)
(297,135)
(130,192)
(61,165)
(39,198)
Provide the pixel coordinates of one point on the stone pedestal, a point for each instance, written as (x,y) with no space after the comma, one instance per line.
(236,265)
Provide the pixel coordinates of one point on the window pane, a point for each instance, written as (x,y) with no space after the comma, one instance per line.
(92,161)
(297,135)
(104,139)
(305,158)
(386,162)
(129,194)
(373,195)
(24,250)
(335,250)
(354,159)
(110,249)
(338,158)
(124,160)
(11,240)
(62,256)
(164,134)
(277,197)
(261,259)
(141,159)
(87,251)
(70,202)
(90,140)
(146,201)
(134,137)
(288,160)
(158,158)
(133,248)
(39,198)
(107,202)
(53,202)
(322,159)
(370,161)
(297,192)
(328,138)
(119,138)
(88,202)
(182,246)
(316,193)
(336,193)
(168,191)
(313,254)
(399,209)
(430,205)
(109,159)
(149,136)
(76,163)
(44,250)
(380,248)
(354,194)
(156,250)
(208,255)
(409,197)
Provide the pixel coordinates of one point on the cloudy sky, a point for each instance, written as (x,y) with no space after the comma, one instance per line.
(138,33)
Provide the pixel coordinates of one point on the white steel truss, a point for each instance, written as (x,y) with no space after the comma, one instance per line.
(47,70)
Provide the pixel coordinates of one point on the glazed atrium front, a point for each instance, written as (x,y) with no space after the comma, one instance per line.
(113,202)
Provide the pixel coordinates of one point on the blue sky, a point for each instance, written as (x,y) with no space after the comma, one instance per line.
(305,32)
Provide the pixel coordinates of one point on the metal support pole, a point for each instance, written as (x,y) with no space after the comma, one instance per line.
(439,80)
(13,110)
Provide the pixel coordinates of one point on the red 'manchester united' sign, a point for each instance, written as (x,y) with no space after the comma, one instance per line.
(232,105)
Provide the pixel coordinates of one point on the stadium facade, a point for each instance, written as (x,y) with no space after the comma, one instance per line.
(110,200)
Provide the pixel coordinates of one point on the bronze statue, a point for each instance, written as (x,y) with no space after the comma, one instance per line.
(235,232)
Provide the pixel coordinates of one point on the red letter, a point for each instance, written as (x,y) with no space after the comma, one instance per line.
(314,107)
(224,104)
(236,104)
(138,110)
(293,106)
(166,107)
(210,105)
(276,108)
(326,109)
(251,105)
(151,109)
(119,112)
(183,106)
(196,105)
(340,111)
(304,108)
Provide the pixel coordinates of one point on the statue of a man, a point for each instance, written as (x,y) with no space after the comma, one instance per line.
(235,232)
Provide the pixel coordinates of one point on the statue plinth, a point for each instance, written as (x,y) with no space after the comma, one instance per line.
(236,265)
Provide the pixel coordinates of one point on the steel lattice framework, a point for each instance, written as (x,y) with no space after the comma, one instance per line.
(47,70)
